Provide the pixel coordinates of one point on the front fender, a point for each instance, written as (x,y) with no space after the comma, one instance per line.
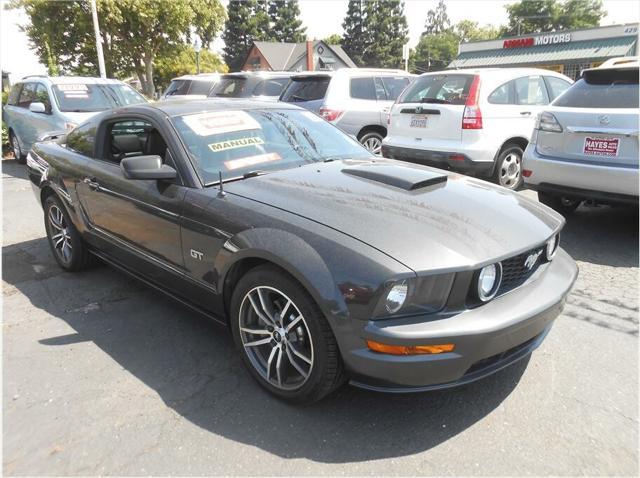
(291,253)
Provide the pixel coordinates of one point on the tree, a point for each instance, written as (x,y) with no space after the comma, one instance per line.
(434,52)
(437,20)
(386,32)
(286,25)
(467,30)
(354,42)
(181,60)
(248,21)
(535,16)
(333,39)
(134,33)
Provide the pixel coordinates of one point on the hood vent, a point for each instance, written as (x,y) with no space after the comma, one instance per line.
(407,178)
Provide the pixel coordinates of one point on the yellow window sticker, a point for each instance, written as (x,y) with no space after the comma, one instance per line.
(251,161)
(220,122)
(235,143)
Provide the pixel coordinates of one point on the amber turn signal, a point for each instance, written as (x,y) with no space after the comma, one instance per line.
(409,349)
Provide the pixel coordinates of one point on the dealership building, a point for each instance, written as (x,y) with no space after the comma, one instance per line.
(567,51)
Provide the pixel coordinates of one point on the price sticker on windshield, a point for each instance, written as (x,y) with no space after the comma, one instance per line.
(251,161)
(220,122)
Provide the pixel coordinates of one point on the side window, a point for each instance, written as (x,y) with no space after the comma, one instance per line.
(200,87)
(530,90)
(395,85)
(82,139)
(27,95)
(381,94)
(127,138)
(502,95)
(363,88)
(14,94)
(42,95)
(556,86)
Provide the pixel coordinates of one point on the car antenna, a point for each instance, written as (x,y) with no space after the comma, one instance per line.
(221,194)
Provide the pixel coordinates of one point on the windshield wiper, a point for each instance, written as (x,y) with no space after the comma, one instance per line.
(253,174)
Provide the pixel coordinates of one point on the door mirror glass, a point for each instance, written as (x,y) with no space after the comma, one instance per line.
(37,107)
(146,167)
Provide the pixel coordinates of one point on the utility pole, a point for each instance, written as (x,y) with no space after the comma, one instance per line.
(405,56)
(196,48)
(96,29)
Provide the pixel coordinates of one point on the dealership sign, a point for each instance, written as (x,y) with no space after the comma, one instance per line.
(551,39)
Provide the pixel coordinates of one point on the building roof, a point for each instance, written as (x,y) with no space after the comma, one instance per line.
(574,51)
(282,56)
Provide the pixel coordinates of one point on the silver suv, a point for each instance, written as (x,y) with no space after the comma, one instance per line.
(357,100)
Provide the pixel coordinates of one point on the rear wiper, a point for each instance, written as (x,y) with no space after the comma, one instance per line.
(435,100)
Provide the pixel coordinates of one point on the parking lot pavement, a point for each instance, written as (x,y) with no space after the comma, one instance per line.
(105,376)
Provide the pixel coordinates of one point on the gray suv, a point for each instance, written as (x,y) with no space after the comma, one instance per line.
(357,100)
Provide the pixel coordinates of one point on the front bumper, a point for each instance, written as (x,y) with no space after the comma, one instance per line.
(487,338)
(440,159)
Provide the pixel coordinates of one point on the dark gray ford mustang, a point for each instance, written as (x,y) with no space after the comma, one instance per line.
(326,263)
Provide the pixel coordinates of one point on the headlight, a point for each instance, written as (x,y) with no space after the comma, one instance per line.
(396,297)
(552,246)
(489,281)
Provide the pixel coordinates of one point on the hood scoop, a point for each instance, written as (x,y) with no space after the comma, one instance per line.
(409,179)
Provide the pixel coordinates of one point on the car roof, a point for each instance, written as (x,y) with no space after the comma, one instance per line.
(258,74)
(185,107)
(497,71)
(61,80)
(349,72)
(200,77)
(617,63)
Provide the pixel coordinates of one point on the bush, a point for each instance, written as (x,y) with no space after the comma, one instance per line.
(5,132)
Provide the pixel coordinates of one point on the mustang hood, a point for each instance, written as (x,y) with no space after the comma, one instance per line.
(439,221)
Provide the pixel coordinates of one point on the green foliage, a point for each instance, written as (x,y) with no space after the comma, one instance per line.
(387,32)
(437,20)
(134,33)
(5,132)
(286,25)
(333,39)
(467,30)
(181,60)
(354,42)
(534,16)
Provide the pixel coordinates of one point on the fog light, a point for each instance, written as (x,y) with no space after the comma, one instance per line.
(552,247)
(489,281)
(409,349)
(396,297)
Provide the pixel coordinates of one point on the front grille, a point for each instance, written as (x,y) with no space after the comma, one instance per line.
(494,359)
(516,271)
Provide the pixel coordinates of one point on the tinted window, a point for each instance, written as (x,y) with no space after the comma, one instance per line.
(556,86)
(271,87)
(42,95)
(14,94)
(394,85)
(178,87)
(530,90)
(502,95)
(27,95)
(83,97)
(444,89)
(230,87)
(306,89)
(236,142)
(603,89)
(362,89)
(200,87)
(82,139)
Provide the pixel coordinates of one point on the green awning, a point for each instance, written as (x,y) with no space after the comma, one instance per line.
(559,53)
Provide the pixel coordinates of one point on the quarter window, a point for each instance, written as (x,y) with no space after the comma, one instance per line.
(502,95)
(556,86)
(530,90)
(363,88)
(27,95)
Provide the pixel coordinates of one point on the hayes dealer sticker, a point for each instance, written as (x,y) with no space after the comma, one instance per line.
(601,146)
(235,143)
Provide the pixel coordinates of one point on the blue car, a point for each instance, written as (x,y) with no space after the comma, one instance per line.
(40,104)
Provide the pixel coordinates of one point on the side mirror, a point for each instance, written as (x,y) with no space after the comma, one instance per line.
(146,167)
(37,107)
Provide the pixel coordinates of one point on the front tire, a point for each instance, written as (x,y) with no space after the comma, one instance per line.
(283,337)
(564,205)
(372,141)
(68,248)
(508,172)
(16,149)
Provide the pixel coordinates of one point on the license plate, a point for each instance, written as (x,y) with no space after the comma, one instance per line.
(601,146)
(418,121)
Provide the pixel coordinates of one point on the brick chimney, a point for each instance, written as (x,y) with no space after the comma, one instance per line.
(309,55)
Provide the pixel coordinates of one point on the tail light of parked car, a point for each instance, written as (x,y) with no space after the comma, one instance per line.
(472,116)
(330,114)
(547,122)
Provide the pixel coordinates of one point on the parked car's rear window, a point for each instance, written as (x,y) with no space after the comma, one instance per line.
(362,88)
(199,87)
(83,97)
(230,88)
(394,85)
(606,88)
(178,87)
(306,89)
(450,89)
(270,87)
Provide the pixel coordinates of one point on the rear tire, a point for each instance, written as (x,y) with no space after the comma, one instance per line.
(508,172)
(67,246)
(564,205)
(298,362)
(16,149)
(372,141)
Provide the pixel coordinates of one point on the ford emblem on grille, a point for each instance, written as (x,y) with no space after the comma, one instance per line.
(531,260)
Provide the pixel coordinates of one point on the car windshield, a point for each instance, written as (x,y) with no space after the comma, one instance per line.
(178,87)
(85,97)
(230,88)
(439,89)
(236,143)
(606,88)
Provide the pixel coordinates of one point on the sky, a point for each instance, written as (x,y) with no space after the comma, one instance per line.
(320,17)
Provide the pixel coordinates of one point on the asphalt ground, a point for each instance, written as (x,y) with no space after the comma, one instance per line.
(102,375)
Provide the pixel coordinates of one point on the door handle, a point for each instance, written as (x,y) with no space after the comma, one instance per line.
(92,183)
(525,113)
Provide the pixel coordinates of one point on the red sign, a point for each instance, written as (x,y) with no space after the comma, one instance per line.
(601,146)
(518,43)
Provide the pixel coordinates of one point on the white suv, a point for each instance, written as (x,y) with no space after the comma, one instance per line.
(477,122)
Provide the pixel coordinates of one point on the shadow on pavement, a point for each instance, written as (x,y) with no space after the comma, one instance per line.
(193,366)
(11,167)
